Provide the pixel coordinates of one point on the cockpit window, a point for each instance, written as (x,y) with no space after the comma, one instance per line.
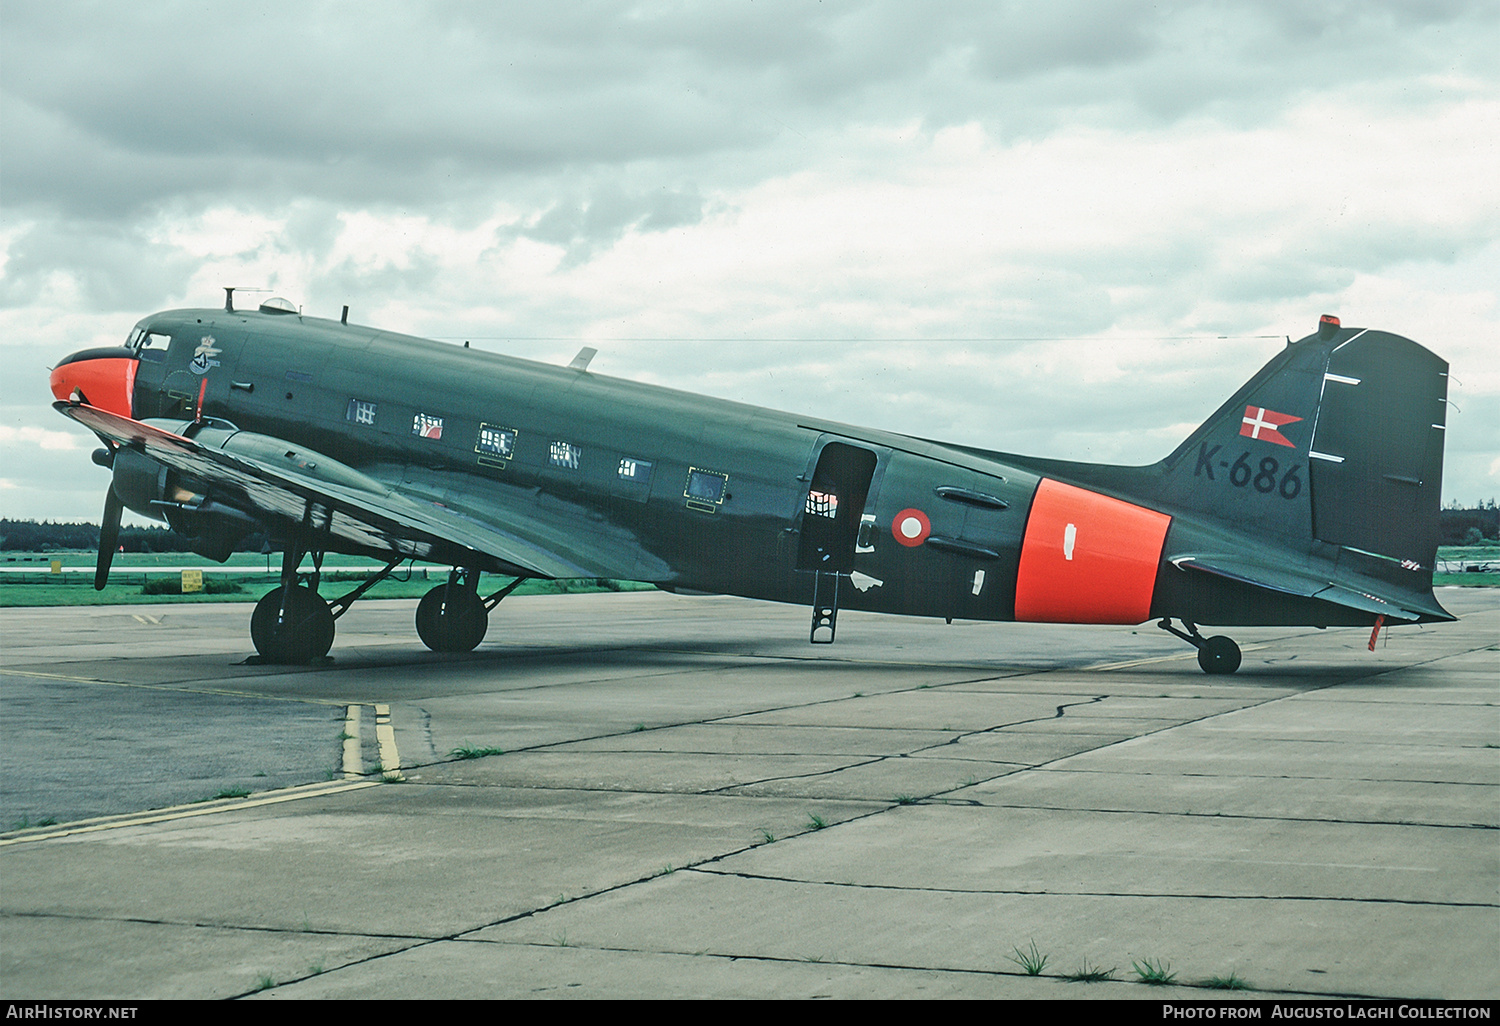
(135,336)
(154,340)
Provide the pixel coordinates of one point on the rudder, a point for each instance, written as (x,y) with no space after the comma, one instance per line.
(1377,449)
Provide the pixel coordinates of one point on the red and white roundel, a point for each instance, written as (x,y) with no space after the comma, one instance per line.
(911,527)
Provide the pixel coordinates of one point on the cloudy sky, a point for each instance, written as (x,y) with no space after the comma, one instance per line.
(1065,228)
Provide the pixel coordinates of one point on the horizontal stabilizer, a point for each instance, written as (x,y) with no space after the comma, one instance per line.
(1309,583)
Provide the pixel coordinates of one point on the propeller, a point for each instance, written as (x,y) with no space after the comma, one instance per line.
(109,537)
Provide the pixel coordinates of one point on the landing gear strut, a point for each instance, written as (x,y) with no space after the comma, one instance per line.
(1215,655)
(292,623)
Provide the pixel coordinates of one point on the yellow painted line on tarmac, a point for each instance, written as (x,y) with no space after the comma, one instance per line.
(1176,656)
(354,766)
(289,794)
(385,737)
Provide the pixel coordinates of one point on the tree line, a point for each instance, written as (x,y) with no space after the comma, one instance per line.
(48,536)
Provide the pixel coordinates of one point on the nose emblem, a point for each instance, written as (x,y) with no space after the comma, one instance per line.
(203,357)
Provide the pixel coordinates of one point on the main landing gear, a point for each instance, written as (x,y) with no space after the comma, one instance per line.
(1215,655)
(294,624)
(452,617)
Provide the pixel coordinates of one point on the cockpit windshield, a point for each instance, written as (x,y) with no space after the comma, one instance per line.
(143,338)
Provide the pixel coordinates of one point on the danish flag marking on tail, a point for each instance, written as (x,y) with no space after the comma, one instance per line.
(1261,423)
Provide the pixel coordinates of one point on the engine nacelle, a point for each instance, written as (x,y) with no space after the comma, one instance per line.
(158,492)
(140,482)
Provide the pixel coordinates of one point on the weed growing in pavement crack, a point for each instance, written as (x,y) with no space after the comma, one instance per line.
(1230,982)
(468,751)
(1031,961)
(1156,974)
(1086,973)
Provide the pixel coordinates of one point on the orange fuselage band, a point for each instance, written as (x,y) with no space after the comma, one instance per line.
(1087,558)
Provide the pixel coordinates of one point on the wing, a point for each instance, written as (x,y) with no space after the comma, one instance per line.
(274,480)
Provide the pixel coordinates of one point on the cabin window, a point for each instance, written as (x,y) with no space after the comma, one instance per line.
(360,412)
(424,425)
(822,504)
(495,445)
(705,489)
(565,455)
(635,471)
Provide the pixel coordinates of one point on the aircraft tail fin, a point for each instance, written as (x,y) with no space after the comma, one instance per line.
(1334,450)
(1320,478)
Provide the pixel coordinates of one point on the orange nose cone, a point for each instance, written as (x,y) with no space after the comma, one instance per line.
(102,378)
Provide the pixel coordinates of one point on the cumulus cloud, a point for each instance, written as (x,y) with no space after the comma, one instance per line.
(395,102)
(985,221)
(39,437)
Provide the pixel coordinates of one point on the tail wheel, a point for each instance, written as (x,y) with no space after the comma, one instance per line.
(452,618)
(297,630)
(1219,655)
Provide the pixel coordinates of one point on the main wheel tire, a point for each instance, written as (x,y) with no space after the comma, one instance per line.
(297,631)
(452,618)
(1219,655)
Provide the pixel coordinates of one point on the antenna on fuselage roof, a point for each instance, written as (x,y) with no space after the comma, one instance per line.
(230,290)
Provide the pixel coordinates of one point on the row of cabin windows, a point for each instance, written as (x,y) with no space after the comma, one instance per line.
(496,445)
(705,489)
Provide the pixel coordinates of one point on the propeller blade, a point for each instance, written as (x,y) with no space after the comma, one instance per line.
(109,537)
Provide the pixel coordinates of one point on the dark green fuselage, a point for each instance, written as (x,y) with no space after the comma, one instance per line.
(293,377)
(1309,497)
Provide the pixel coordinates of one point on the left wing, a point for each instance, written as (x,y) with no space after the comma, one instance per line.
(267,477)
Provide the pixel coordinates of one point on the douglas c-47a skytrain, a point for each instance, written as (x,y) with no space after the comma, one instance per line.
(1309,498)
